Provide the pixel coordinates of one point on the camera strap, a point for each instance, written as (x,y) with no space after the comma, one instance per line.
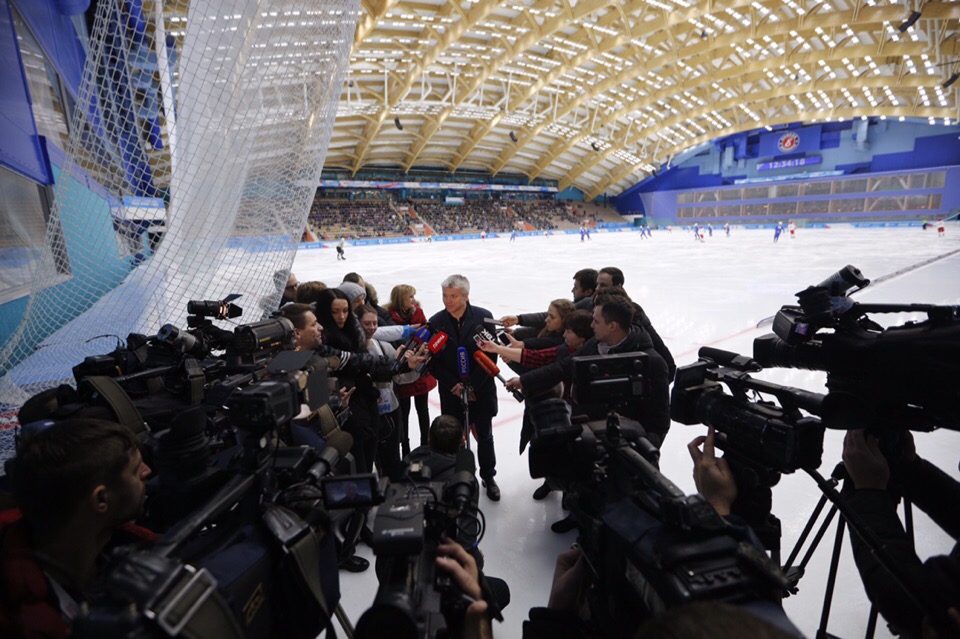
(120,403)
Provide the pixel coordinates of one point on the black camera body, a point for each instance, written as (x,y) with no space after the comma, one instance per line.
(757,433)
(649,545)
(247,548)
(414,599)
(884,378)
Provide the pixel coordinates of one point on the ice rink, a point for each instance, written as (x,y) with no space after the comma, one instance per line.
(711,293)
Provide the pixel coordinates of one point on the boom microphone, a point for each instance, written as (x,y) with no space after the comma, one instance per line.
(422,336)
(434,346)
(491,369)
(338,445)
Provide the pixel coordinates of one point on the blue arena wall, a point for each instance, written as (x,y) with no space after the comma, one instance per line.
(886,147)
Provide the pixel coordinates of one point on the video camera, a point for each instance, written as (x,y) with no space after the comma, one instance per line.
(880,377)
(761,434)
(649,546)
(414,516)
(248,549)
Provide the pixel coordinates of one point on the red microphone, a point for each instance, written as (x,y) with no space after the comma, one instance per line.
(434,346)
(491,369)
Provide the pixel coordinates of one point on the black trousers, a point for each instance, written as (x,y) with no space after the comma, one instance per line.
(423,415)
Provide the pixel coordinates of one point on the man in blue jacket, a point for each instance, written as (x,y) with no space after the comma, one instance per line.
(460,321)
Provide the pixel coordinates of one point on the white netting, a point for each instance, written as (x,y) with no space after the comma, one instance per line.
(193,158)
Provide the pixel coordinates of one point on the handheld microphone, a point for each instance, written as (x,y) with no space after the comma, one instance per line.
(491,369)
(338,445)
(434,346)
(463,364)
(421,336)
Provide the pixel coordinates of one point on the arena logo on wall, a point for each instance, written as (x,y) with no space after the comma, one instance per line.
(788,142)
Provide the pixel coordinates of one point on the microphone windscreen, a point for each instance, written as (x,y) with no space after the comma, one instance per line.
(486,363)
(437,342)
(463,362)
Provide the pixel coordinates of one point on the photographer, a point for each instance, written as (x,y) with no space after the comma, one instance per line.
(876,484)
(79,484)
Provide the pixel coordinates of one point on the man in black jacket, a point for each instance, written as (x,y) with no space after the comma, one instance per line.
(615,332)
(460,321)
(876,486)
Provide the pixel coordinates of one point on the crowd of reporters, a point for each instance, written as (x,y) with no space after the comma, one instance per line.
(51,542)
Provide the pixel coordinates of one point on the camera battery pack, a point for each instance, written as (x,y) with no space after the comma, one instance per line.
(398,527)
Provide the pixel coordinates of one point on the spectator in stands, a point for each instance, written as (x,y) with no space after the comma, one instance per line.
(405,309)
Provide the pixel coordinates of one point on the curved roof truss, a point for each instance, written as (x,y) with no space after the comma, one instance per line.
(598,93)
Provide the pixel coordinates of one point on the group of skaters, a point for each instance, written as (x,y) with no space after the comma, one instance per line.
(941,227)
(778,230)
(701,233)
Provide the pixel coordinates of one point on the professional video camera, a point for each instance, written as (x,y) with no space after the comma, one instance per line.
(883,378)
(248,547)
(415,515)
(258,559)
(648,545)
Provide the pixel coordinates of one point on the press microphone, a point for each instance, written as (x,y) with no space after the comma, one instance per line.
(421,336)
(491,369)
(338,445)
(463,364)
(434,346)
(462,485)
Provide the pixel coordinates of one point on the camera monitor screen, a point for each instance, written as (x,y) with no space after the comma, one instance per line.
(350,491)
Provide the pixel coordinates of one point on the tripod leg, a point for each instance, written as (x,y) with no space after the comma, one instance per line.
(871,623)
(341,616)
(831,580)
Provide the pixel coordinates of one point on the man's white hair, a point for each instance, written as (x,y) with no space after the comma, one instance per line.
(457,281)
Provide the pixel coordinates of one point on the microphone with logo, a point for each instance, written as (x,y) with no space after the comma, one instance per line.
(492,370)
(434,346)
(463,369)
(420,337)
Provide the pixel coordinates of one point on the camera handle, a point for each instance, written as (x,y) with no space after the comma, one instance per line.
(830,493)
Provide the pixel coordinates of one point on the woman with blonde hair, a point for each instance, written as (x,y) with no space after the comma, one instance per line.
(404,309)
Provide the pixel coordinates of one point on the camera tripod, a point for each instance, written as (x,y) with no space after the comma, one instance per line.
(847,518)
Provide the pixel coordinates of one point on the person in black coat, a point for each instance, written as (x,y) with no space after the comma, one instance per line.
(873,493)
(460,321)
(614,332)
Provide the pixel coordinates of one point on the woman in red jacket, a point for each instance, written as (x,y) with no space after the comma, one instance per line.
(405,310)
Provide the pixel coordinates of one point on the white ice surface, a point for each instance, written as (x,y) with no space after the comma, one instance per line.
(711,293)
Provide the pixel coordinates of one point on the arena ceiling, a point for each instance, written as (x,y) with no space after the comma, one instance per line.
(597,93)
